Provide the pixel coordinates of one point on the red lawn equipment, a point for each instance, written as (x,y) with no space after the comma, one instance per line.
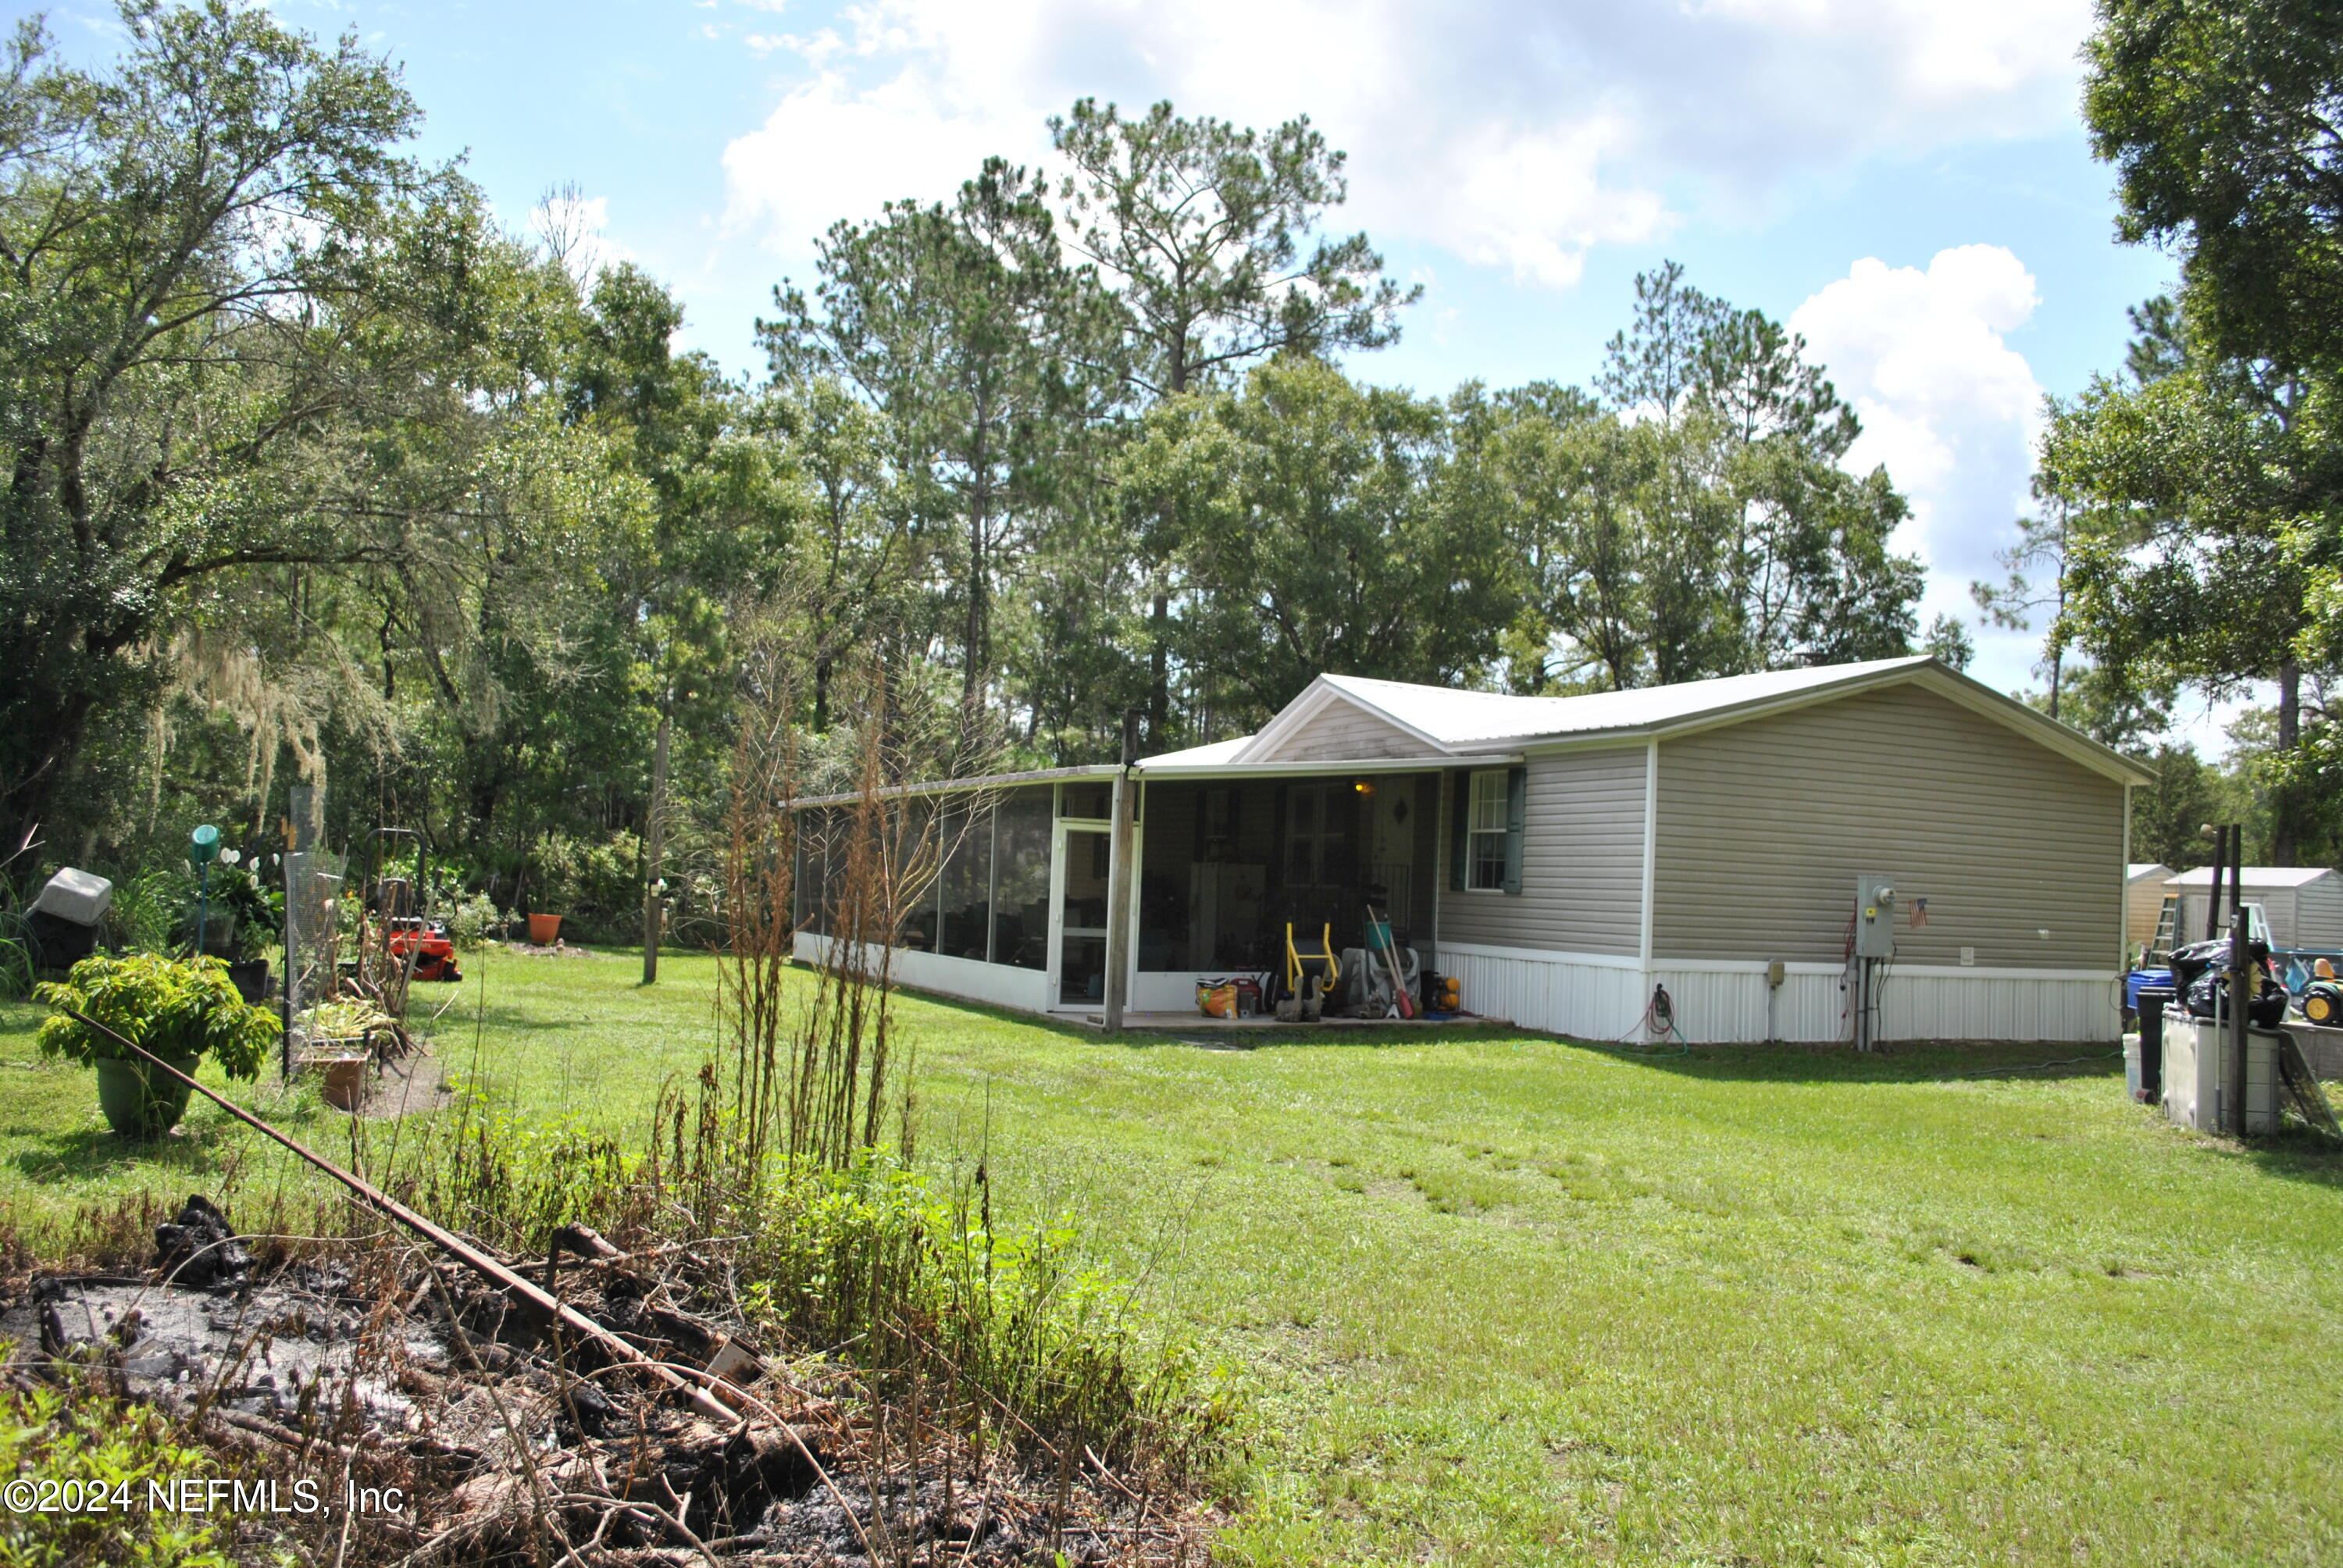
(434,953)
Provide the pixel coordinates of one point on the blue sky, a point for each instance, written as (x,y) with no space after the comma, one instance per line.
(1907,183)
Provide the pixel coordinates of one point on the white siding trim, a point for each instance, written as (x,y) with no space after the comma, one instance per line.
(1651,845)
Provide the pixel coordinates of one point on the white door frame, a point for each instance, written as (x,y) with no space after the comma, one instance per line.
(1062,828)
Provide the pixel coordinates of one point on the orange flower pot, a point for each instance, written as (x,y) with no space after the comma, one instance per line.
(544,930)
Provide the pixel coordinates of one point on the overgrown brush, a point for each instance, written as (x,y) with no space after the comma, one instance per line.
(896,1275)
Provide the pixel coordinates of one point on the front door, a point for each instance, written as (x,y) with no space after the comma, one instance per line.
(1391,843)
(1083,857)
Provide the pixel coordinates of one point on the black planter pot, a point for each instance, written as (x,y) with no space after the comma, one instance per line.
(250,977)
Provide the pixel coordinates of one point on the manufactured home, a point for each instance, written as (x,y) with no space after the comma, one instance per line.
(1564,857)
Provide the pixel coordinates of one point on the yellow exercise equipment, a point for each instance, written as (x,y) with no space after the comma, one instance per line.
(1321,967)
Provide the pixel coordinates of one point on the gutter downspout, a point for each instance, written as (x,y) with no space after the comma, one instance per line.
(1119,880)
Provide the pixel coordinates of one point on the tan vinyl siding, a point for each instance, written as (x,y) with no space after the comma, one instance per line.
(1581,861)
(1345,732)
(1765,824)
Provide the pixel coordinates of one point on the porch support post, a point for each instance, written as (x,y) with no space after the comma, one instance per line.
(1118,881)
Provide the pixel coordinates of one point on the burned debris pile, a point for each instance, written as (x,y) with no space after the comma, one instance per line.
(438,1415)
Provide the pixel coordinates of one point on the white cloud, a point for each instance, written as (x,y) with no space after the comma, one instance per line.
(1947,405)
(1514,135)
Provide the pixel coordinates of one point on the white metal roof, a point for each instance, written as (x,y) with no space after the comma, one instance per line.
(1471,724)
(2139,869)
(1465,719)
(1219,752)
(2255,876)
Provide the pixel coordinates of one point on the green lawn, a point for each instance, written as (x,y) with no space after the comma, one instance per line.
(1504,1299)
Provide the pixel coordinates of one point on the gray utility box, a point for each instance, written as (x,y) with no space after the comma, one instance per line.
(1875,915)
(2193,1050)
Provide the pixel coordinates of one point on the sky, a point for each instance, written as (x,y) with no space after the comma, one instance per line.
(1905,182)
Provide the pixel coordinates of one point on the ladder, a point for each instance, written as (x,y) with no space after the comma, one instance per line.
(2168,929)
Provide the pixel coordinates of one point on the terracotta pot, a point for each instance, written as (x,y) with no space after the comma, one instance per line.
(139,1101)
(345,1084)
(544,930)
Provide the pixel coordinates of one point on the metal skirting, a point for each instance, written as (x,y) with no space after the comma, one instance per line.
(1596,997)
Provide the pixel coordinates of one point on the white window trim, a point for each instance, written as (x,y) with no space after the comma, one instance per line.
(1473,833)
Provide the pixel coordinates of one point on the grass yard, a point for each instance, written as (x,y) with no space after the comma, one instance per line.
(1502,1299)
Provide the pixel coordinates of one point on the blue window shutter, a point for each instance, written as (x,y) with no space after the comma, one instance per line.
(1461,784)
(1517,789)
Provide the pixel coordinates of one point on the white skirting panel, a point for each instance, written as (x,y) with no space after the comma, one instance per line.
(1728,1003)
(1589,995)
(1955,1004)
(1001,985)
(1595,997)
(1732,1005)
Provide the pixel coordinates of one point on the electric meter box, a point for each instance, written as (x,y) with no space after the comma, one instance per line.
(1875,915)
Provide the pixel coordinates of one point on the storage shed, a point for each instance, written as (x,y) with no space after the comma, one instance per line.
(2143,900)
(2304,903)
(1567,857)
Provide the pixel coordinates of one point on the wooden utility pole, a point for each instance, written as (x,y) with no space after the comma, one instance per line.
(654,851)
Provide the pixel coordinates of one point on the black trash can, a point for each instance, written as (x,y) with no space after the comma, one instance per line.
(2153,1000)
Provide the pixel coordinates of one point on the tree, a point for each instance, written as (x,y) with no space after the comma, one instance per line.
(2011,605)
(964,327)
(2198,504)
(1701,525)
(2222,122)
(209,259)
(1320,535)
(1948,642)
(1204,236)
(2169,817)
(853,557)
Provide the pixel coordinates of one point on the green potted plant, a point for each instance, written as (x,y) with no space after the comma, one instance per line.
(182,1010)
(259,911)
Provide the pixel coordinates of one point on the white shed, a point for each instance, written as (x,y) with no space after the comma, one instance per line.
(2143,899)
(2304,903)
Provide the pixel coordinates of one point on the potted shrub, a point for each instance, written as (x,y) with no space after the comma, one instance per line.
(181,1011)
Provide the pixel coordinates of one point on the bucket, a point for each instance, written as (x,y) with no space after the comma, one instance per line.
(545,930)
